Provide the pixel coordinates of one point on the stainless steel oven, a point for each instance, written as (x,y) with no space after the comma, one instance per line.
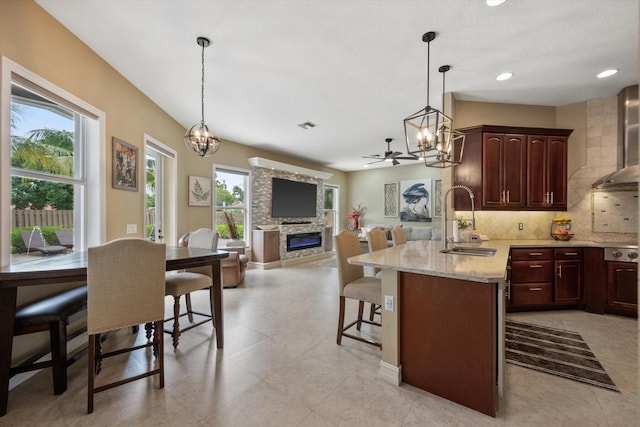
(622,280)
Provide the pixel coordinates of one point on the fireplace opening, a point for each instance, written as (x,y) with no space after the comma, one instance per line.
(298,241)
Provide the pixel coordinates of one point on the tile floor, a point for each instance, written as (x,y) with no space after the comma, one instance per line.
(281,367)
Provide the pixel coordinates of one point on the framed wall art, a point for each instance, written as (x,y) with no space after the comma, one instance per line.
(391,199)
(125,165)
(437,198)
(199,191)
(415,200)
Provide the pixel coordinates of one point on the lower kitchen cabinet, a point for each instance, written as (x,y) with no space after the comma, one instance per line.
(545,278)
(569,287)
(622,289)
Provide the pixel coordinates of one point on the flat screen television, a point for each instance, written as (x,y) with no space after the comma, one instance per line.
(293,198)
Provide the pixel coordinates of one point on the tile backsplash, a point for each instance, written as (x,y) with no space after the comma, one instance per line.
(615,211)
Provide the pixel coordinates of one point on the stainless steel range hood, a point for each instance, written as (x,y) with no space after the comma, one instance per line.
(626,176)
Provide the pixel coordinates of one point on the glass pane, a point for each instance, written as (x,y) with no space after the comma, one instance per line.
(230,205)
(41,218)
(150,199)
(42,134)
(328,198)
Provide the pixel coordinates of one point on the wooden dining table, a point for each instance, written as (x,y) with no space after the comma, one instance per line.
(71,268)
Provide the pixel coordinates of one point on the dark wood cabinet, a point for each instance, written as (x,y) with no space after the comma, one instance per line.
(503,185)
(546,278)
(265,246)
(531,277)
(569,287)
(513,168)
(547,172)
(622,289)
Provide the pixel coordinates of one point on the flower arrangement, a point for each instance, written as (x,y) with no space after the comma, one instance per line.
(355,215)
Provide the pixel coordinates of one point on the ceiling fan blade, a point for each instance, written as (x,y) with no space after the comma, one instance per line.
(376,161)
(407,158)
(395,154)
(395,162)
(373,156)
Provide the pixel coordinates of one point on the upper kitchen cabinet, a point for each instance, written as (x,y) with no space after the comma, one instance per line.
(513,168)
(547,172)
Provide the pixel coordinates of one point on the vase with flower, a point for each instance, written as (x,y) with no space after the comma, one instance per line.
(355,215)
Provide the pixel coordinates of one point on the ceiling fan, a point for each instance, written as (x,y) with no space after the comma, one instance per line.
(389,156)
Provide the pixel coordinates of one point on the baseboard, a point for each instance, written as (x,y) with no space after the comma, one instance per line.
(391,374)
(291,261)
(264,265)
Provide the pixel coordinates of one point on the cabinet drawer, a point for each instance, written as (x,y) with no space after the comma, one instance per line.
(532,271)
(568,253)
(533,253)
(531,293)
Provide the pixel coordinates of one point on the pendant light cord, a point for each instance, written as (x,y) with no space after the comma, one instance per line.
(428,57)
(202,86)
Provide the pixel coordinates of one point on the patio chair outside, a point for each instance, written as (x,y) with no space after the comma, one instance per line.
(34,241)
(65,237)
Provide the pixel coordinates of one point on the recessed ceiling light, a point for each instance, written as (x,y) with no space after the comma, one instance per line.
(495,2)
(307,125)
(504,76)
(607,73)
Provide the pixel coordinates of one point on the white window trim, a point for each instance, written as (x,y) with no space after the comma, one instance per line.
(95,189)
(247,198)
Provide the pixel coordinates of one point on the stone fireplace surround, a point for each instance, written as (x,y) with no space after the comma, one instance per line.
(261,203)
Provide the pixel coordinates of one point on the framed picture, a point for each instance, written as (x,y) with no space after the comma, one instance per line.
(125,165)
(391,199)
(416,200)
(437,198)
(199,191)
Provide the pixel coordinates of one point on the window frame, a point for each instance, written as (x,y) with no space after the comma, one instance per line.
(91,227)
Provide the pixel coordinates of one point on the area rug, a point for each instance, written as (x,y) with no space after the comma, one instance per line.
(554,351)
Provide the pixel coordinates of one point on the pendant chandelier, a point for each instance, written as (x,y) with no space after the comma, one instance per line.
(429,133)
(199,139)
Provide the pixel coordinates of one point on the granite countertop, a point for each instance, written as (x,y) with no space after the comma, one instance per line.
(424,257)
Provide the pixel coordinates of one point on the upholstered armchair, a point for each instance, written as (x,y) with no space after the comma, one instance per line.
(233,267)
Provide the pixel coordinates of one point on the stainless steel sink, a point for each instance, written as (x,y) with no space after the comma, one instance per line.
(464,250)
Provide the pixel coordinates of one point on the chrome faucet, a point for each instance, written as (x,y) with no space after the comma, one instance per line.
(444,216)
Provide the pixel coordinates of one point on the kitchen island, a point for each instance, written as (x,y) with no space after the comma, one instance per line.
(445,334)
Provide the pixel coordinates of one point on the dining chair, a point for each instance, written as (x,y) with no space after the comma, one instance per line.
(125,287)
(398,235)
(190,280)
(355,285)
(377,239)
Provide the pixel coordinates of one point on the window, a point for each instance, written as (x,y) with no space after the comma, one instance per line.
(44,179)
(331,199)
(231,202)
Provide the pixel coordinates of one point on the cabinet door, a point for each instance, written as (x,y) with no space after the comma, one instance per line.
(514,157)
(557,171)
(537,194)
(492,190)
(568,287)
(622,288)
(547,172)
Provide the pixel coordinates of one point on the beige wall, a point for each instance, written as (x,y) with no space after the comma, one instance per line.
(33,39)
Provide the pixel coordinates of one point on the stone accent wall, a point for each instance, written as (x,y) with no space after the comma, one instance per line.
(261,209)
